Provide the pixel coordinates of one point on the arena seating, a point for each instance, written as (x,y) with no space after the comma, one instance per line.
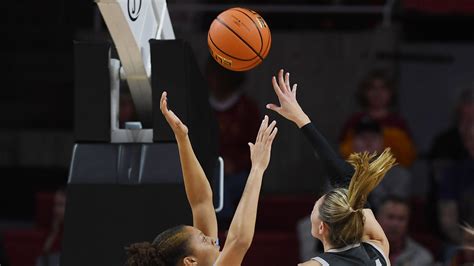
(23,246)
(275,241)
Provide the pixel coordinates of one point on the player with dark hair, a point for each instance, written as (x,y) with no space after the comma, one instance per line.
(340,219)
(198,244)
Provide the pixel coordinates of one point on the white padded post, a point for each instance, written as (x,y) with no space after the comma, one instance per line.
(132,23)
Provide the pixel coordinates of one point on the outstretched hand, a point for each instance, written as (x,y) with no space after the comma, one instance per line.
(180,130)
(289,106)
(260,151)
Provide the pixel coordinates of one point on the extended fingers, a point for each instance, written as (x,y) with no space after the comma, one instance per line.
(164,107)
(263,126)
(277,88)
(174,117)
(169,115)
(287,80)
(274,107)
(272,136)
(163,102)
(269,133)
(251,147)
(268,130)
(281,81)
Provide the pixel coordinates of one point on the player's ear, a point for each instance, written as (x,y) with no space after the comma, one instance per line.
(189,261)
(322,228)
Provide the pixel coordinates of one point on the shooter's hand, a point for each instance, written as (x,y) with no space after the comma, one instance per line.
(260,151)
(289,106)
(180,130)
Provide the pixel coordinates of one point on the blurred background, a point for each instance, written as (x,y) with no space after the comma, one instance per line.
(370,73)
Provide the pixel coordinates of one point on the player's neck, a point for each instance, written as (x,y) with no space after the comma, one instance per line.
(327,246)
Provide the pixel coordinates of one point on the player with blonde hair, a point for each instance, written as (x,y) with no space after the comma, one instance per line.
(348,230)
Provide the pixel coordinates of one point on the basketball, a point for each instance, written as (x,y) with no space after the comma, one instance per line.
(239,39)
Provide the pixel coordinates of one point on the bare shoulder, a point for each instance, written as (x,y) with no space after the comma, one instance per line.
(310,263)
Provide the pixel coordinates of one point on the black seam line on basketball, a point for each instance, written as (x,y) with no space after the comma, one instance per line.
(270,36)
(256,26)
(254,64)
(251,48)
(238,36)
(237,69)
(213,43)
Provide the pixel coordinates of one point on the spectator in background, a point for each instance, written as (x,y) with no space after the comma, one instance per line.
(376,96)
(368,136)
(456,191)
(52,243)
(448,145)
(447,148)
(394,216)
(239,120)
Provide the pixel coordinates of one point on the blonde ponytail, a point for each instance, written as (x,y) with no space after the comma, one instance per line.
(368,174)
(341,208)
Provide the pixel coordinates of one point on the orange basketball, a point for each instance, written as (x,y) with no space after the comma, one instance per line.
(239,39)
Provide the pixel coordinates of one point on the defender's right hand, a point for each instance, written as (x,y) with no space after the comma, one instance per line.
(289,106)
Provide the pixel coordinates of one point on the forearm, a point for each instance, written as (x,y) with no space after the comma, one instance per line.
(243,224)
(339,170)
(198,189)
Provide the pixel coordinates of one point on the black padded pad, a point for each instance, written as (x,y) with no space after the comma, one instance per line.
(175,70)
(125,164)
(91,91)
(101,219)
(120,194)
(94,163)
(160,164)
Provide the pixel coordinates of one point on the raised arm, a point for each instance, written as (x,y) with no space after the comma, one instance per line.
(242,228)
(197,186)
(339,170)
(374,233)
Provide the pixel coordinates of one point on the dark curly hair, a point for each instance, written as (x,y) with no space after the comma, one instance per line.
(167,249)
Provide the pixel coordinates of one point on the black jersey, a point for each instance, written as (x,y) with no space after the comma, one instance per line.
(364,253)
